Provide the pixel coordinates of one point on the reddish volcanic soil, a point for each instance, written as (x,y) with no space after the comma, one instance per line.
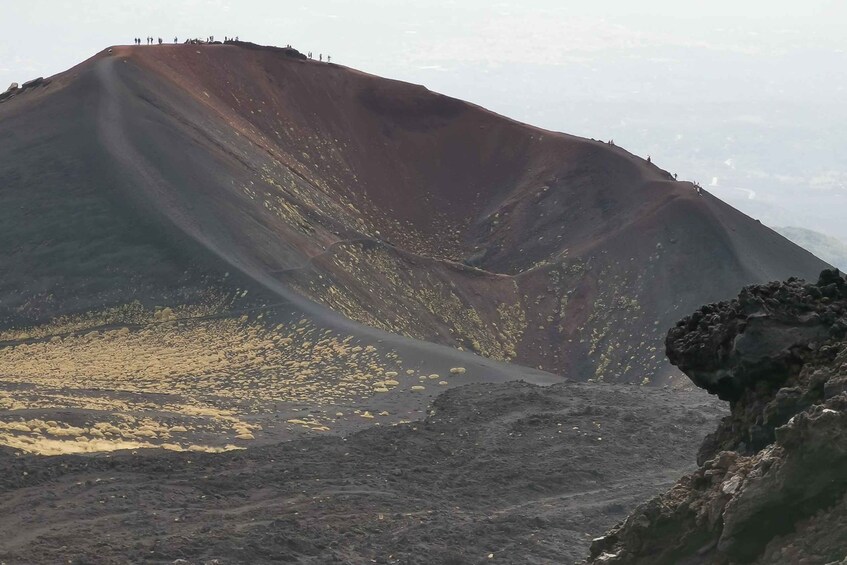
(391,205)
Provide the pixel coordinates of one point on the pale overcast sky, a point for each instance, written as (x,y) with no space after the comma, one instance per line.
(743,95)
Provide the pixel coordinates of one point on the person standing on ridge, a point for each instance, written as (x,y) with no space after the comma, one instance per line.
(176,40)
(160,41)
(320,57)
(328,58)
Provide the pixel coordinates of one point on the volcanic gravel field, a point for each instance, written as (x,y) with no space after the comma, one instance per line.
(510,473)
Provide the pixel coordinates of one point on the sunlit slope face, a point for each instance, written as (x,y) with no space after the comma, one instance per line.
(432,218)
(174,179)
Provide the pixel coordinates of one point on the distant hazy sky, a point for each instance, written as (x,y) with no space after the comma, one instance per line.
(744,95)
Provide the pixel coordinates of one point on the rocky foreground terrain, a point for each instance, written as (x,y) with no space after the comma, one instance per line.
(772,481)
(508,473)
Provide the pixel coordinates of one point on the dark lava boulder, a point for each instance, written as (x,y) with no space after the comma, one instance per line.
(772,482)
(759,339)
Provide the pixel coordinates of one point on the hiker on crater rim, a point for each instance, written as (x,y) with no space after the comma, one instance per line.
(320,57)
(328,58)
(160,41)
(176,40)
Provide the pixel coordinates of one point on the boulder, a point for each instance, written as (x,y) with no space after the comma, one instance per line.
(11,91)
(40,81)
(772,481)
(759,339)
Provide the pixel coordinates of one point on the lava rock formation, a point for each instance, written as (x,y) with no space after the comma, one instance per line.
(772,479)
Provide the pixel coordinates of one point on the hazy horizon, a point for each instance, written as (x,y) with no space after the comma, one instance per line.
(744,98)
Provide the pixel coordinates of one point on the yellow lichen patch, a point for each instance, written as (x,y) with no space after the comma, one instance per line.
(108,431)
(177,375)
(226,357)
(310,423)
(377,286)
(53,438)
(133,313)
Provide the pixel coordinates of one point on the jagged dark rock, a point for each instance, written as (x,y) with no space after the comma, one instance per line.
(14,89)
(33,83)
(11,91)
(772,482)
(747,350)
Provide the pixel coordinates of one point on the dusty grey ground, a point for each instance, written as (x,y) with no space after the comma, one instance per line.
(508,473)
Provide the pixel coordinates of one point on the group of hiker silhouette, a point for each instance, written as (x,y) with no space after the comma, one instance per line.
(160,41)
(649,160)
(320,56)
(211,39)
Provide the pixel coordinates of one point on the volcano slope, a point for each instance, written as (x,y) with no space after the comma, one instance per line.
(217,247)
(211,245)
